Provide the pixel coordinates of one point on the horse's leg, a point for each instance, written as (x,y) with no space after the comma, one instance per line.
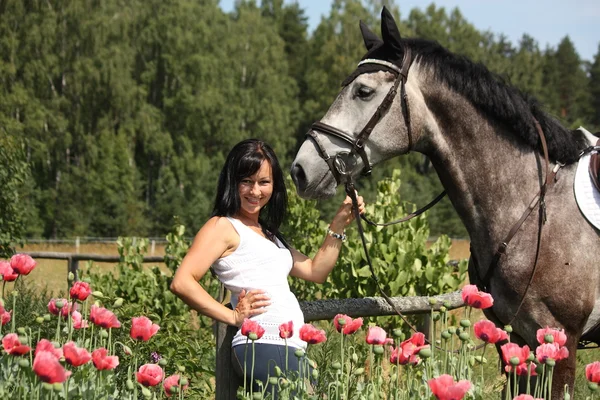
(564,372)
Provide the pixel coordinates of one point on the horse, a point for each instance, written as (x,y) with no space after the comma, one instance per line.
(507,166)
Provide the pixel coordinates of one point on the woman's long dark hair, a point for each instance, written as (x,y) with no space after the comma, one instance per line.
(244,160)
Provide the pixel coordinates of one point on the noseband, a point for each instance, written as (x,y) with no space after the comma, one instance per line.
(343,163)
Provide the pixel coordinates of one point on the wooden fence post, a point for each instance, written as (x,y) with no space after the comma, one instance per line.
(227,381)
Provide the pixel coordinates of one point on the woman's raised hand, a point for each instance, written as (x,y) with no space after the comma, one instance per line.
(344,215)
(251,303)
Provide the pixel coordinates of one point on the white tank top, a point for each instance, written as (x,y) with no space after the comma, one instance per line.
(259,263)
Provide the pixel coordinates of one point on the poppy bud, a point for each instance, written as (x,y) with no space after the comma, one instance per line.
(257,396)
(183,381)
(70,277)
(358,371)
(98,294)
(447,304)
(21,331)
(299,353)
(378,349)
(514,361)
(550,362)
(39,320)
(59,304)
(252,336)
(24,363)
(336,365)
(58,387)
(103,334)
(147,393)
(47,386)
(443,309)
(118,302)
(277,371)
(425,353)
(127,350)
(354,358)
(174,389)
(465,323)
(592,386)
(452,329)
(162,362)
(181,368)
(446,335)
(548,338)
(273,380)
(47,317)
(508,328)
(432,301)
(464,336)
(436,317)
(315,374)
(129,384)
(481,360)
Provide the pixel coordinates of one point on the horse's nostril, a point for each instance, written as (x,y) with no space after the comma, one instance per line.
(298,176)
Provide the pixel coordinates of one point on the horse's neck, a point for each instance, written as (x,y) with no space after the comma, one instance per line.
(489,176)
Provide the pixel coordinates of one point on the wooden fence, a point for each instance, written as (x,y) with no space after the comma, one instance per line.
(227,382)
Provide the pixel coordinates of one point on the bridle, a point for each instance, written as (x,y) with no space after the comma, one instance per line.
(343,163)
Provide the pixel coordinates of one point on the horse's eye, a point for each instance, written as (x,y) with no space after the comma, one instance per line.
(364,92)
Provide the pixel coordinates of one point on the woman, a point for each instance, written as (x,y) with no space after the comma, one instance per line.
(241,241)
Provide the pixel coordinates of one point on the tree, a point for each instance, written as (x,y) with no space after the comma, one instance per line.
(594,90)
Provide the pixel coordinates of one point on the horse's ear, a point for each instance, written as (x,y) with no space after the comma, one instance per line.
(389,30)
(370,39)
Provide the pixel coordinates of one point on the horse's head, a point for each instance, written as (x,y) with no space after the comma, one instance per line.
(368,122)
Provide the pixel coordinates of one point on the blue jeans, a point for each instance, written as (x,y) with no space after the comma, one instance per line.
(267,356)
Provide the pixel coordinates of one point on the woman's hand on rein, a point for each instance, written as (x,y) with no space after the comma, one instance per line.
(249,304)
(344,215)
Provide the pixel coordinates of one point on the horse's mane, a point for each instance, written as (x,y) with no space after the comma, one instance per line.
(490,94)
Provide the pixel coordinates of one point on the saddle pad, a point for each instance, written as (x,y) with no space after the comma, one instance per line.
(588,198)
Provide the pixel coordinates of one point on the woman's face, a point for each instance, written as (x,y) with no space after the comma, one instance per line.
(255,191)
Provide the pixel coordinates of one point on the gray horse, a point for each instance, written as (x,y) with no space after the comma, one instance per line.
(531,247)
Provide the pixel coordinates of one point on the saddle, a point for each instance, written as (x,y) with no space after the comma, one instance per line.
(595,168)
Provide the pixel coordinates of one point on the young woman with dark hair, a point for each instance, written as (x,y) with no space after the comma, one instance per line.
(242,242)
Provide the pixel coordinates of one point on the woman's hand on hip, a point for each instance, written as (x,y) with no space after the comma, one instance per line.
(251,303)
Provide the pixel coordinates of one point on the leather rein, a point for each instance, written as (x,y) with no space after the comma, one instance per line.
(343,163)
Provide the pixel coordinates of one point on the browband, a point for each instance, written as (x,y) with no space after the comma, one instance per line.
(381,62)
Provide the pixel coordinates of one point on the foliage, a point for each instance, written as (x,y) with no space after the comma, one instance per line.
(403,260)
(14,172)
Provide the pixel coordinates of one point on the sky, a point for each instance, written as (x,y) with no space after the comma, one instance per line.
(547,21)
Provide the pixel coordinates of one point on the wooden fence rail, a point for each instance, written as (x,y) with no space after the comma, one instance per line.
(227,381)
(74,258)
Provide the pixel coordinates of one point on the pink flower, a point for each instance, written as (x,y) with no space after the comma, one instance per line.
(4,316)
(102,361)
(171,381)
(511,350)
(252,327)
(526,397)
(522,369)
(104,318)
(46,345)
(592,372)
(312,335)
(80,290)
(407,351)
(376,335)
(350,325)
(64,311)
(149,374)
(74,355)
(551,350)
(488,332)
(558,335)
(48,368)
(475,298)
(12,345)
(78,322)
(8,274)
(142,328)
(22,264)
(286,330)
(444,388)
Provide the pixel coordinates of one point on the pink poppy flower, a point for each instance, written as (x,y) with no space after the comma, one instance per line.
(104,318)
(48,368)
(488,332)
(510,350)
(376,335)
(74,355)
(350,325)
(592,372)
(558,335)
(8,274)
(444,388)
(149,374)
(522,369)
(12,345)
(286,330)
(78,321)
(46,345)
(102,361)
(66,309)
(142,328)
(171,381)
(22,264)
(312,335)
(526,397)
(80,290)
(407,351)
(5,316)
(475,298)
(551,350)
(249,326)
